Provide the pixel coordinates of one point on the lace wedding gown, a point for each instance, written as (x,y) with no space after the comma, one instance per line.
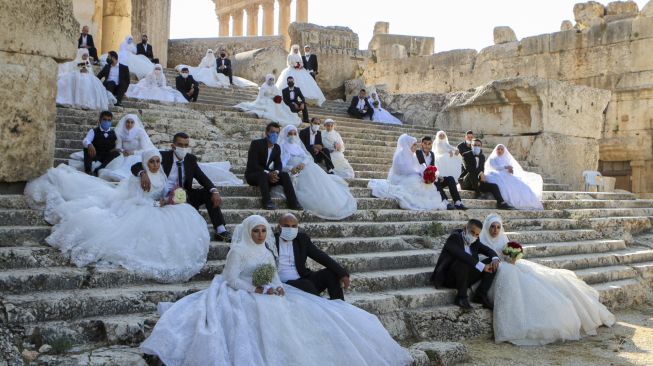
(381,115)
(448,165)
(303,79)
(83,90)
(265,107)
(206,73)
(332,141)
(154,87)
(98,223)
(230,324)
(139,65)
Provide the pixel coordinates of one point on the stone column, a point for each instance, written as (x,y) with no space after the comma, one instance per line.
(116,23)
(152,17)
(223,20)
(268,18)
(284,20)
(252,20)
(38,35)
(238,23)
(302,11)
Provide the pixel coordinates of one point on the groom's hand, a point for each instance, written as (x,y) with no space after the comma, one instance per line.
(488,268)
(344,282)
(216,200)
(280,291)
(495,265)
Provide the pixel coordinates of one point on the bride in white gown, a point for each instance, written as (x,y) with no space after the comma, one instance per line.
(139,65)
(154,87)
(206,72)
(324,195)
(521,189)
(235,323)
(535,304)
(131,141)
(303,79)
(447,158)
(380,114)
(78,87)
(405,183)
(265,107)
(96,222)
(333,142)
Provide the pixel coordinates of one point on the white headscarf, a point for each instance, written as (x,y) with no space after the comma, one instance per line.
(125,46)
(293,48)
(331,138)
(442,147)
(124,133)
(243,243)
(374,97)
(404,159)
(294,58)
(288,148)
(208,60)
(268,77)
(498,163)
(81,52)
(72,65)
(500,240)
(153,79)
(158,180)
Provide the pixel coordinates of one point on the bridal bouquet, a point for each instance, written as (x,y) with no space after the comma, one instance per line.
(513,250)
(263,274)
(277,99)
(375,104)
(429,174)
(177,196)
(298,65)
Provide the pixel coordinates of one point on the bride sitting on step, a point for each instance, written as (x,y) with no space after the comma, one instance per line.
(520,189)
(405,183)
(97,223)
(78,87)
(324,195)
(154,87)
(139,65)
(248,317)
(535,304)
(333,142)
(269,104)
(303,79)
(206,73)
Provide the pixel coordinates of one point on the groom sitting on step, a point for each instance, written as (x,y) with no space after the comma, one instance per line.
(180,166)
(458,266)
(312,139)
(294,248)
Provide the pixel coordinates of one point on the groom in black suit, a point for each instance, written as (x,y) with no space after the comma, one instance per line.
(312,139)
(86,41)
(459,267)
(264,168)
(360,106)
(294,248)
(427,157)
(116,77)
(180,166)
(310,61)
(473,176)
(223,66)
(145,49)
(294,99)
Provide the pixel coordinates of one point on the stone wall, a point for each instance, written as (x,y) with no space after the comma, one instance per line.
(152,17)
(36,35)
(382,45)
(190,51)
(254,65)
(89,12)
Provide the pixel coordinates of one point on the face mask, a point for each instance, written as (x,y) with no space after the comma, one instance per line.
(289,233)
(476,150)
(105,125)
(273,137)
(182,152)
(291,84)
(469,238)
(145,41)
(158,72)
(293,139)
(130,41)
(109,60)
(184,75)
(315,128)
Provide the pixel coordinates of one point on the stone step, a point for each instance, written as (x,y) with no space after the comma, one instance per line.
(606,274)
(621,293)
(23,235)
(13,202)
(583,261)
(21,217)
(536,250)
(365,262)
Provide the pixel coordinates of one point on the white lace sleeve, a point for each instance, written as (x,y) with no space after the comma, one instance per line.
(232,270)
(289,61)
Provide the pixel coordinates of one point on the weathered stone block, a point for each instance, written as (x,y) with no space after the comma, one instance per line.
(415,45)
(190,51)
(647,10)
(320,36)
(566,25)
(254,65)
(443,353)
(588,14)
(504,34)
(620,10)
(381,28)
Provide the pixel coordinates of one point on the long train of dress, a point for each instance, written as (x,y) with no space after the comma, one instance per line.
(303,80)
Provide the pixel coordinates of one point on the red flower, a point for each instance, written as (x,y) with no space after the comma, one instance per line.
(298,66)
(515,245)
(429,174)
(277,99)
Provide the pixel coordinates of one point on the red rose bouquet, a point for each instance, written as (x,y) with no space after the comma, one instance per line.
(298,65)
(513,250)
(429,174)
(277,99)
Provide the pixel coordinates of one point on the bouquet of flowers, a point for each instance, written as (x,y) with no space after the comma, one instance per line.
(429,174)
(277,99)
(263,274)
(513,250)
(375,104)
(298,65)
(177,196)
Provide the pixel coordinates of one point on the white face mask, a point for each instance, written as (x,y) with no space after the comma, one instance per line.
(182,152)
(315,128)
(157,71)
(184,75)
(289,233)
(293,139)
(476,150)
(469,238)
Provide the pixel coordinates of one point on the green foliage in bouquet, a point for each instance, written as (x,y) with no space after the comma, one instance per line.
(263,274)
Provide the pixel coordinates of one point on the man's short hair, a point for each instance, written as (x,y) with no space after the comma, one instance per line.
(180,135)
(290,77)
(469,132)
(184,69)
(272,125)
(477,140)
(314,119)
(427,138)
(363,90)
(475,222)
(113,54)
(144,35)
(106,114)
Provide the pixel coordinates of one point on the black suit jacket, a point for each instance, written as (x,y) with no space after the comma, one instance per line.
(420,157)
(454,250)
(305,136)
(145,50)
(257,157)
(463,148)
(304,248)
(123,75)
(191,170)
(183,85)
(471,167)
(310,63)
(354,103)
(218,63)
(299,97)
(89,41)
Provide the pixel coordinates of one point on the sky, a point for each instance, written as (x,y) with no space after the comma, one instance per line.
(454,24)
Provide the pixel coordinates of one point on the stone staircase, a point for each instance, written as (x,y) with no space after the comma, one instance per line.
(390,252)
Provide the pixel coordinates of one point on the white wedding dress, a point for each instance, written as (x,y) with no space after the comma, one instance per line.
(134,141)
(324,195)
(448,165)
(79,89)
(303,79)
(206,72)
(154,87)
(521,189)
(381,115)
(265,107)
(405,183)
(537,305)
(99,223)
(139,65)
(333,142)
(230,324)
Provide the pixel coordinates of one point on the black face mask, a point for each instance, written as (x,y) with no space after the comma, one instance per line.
(144,41)
(223,54)
(291,84)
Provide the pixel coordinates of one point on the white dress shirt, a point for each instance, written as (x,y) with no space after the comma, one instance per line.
(311,138)
(83,40)
(292,93)
(114,73)
(90,135)
(361,104)
(427,158)
(172,177)
(287,269)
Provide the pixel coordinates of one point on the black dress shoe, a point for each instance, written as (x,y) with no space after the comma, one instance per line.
(483,300)
(461,207)
(118,104)
(504,206)
(463,302)
(269,206)
(223,236)
(449,207)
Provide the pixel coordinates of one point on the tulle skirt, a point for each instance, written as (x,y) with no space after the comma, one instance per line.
(304,81)
(342,168)
(409,191)
(163,94)
(324,195)
(524,193)
(210,77)
(84,91)
(223,326)
(139,65)
(449,166)
(267,108)
(382,116)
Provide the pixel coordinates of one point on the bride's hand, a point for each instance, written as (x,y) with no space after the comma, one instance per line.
(280,291)
(259,290)
(451,154)
(300,167)
(162,202)
(270,291)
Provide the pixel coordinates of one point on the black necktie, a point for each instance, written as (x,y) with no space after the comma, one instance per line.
(179,178)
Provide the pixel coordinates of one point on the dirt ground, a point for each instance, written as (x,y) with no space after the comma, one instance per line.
(627,343)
